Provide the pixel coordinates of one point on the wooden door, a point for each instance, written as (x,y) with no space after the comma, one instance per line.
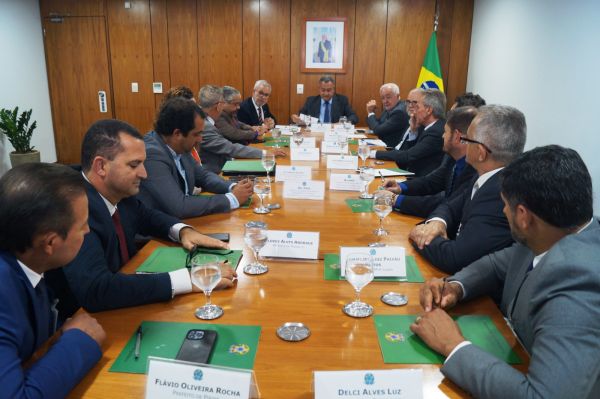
(78,70)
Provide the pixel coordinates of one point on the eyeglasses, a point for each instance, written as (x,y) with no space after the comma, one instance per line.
(262,93)
(410,103)
(465,140)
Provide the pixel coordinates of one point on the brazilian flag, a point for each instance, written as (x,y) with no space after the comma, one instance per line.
(430,76)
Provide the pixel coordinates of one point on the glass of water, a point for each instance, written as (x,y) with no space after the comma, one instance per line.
(307,122)
(206,274)
(262,188)
(343,120)
(363,153)
(268,162)
(367,175)
(298,137)
(255,236)
(359,273)
(342,142)
(382,206)
(276,134)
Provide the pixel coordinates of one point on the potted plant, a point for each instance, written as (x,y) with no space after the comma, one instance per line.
(16,128)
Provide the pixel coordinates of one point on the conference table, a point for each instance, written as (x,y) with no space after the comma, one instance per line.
(292,291)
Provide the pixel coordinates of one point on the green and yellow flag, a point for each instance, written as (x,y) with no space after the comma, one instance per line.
(430,76)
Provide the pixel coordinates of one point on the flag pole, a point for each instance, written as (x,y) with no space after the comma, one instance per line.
(437,16)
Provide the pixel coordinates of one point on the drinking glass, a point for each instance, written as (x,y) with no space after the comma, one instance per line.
(367,175)
(342,142)
(255,236)
(206,274)
(363,153)
(298,137)
(276,133)
(262,188)
(343,120)
(307,122)
(268,162)
(382,206)
(359,273)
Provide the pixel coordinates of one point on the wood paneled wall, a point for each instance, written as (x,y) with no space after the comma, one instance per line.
(236,42)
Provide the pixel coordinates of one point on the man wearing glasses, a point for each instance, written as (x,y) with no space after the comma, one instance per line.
(229,124)
(254,110)
(473,224)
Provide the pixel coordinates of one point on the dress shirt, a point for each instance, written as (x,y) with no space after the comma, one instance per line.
(409,135)
(33,277)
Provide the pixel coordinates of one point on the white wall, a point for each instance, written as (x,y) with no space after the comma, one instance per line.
(543,57)
(23,79)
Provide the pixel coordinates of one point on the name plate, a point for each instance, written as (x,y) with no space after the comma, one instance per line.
(330,137)
(331,147)
(174,379)
(287,173)
(342,162)
(357,136)
(345,182)
(386,261)
(304,154)
(305,189)
(379,384)
(291,244)
(308,142)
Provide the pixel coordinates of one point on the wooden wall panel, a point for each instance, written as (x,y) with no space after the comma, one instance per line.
(250,45)
(131,61)
(220,42)
(343,81)
(183,43)
(460,46)
(444,36)
(369,54)
(275,53)
(72,8)
(160,46)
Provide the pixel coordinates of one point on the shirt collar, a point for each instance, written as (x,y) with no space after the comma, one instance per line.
(538,258)
(175,155)
(33,277)
(431,124)
(323,101)
(111,208)
(210,120)
(486,176)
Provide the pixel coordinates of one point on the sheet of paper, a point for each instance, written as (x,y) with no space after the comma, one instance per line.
(290,173)
(304,154)
(308,189)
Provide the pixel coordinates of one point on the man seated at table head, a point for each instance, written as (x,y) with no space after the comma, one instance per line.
(420,149)
(215,149)
(230,126)
(393,121)
(420,196)
(254,111)
(172,172)
(112,162)
(472,224)
(548,281)
(468,99)
(328,106)
(43,219)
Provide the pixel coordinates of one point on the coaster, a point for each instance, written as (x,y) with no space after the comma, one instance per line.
(293,332)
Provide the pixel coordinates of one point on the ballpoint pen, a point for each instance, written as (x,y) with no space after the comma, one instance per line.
(138,342)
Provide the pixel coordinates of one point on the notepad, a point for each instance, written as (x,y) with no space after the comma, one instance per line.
(244,168)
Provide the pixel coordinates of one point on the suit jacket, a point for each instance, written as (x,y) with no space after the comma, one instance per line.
(554,310)
(215,149)
(92,280)
(483,227)
(247,113)
(164,188)
(426,193)
(339,107)
(390,126)
(24,327)
(234,130)
(422,155)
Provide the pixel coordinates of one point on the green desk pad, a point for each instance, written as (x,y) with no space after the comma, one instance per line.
(168,259)
(283,141)
(400,171)
(236,345)
(244,205)
(399,345)
(331,270)
(359,205)
(243,166)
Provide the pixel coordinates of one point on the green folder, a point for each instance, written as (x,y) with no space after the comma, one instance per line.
(168,259)
(331,270)
(281,142)
(360,205)
(235,346)
(243,167)
(399,345)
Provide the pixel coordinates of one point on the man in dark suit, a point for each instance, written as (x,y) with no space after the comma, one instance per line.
(43,219)
(229,125)
(328,106)
(393,121)
(473,224)
(112,162)
(173,173)
(549,285)
(254,110)
(420,196)
(421,148)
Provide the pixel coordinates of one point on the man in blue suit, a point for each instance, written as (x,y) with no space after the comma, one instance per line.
(549,285)
(43,219)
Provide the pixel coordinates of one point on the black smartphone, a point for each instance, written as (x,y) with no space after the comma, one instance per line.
(197,346)
(361,131)
(220,236)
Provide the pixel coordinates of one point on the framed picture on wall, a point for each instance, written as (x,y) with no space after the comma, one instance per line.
(324,45)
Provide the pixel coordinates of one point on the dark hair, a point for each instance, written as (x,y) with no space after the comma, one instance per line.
(327,79)
(460,118)
(177,113)
(178,91)
(36,198)
(474,100)
(102,139)
(553,183)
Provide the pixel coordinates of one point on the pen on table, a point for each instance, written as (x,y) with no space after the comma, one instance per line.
(442,293)
(138,342)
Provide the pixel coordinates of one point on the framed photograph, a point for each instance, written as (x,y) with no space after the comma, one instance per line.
(324,45)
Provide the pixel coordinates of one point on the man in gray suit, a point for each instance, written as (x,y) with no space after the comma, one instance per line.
(215,149)
(549,284)
(393,121)
(172,171)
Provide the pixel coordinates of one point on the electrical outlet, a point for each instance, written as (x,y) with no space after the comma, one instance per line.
(128,4)
(134,87)
(299,88)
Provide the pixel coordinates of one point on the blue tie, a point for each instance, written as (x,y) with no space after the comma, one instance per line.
(326,114)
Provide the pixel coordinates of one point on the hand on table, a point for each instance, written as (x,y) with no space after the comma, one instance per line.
(437,329)
(423,234)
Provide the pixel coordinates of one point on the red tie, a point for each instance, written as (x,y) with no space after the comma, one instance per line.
(121,235)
